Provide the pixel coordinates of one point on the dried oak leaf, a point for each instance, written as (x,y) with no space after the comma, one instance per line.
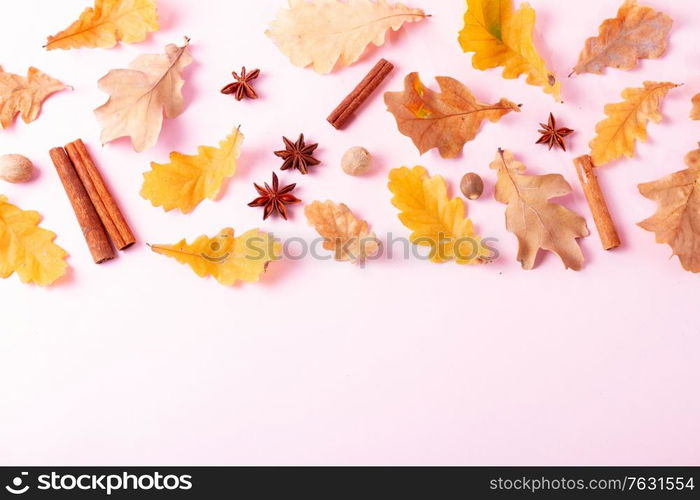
(636,33)
(226,258)
(141,94)
(445,120)
(436,220)
(26,248)
(111,21)
(333,33)
(500,37)
(677,220)
(347,236)
(627,122)
(189,179)
(535,221)
(695,112)
(19,94)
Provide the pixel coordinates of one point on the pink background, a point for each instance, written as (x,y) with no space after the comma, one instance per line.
(139,361)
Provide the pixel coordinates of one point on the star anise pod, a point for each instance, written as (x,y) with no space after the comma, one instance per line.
(274,198)
(552,135)
(298,155)
(242,87)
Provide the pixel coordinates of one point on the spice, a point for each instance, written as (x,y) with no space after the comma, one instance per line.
(339,117)
(552,135)
(101,198)
(356,161)
(274,198)
(298,155)
(242,87)
(596,201)
(472,186)
(90,223)
(15,168)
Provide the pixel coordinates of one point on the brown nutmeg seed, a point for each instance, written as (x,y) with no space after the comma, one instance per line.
(15,168)
(472,186)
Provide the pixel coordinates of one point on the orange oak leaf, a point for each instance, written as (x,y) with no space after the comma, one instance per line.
(19,94)
(446,120)
(636,33)
(347,236)
(109,22)
(677,220)
(695,112)
(530,215)
(142,94)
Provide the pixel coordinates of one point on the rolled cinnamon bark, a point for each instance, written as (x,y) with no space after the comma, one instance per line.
(90,223)
(99,194)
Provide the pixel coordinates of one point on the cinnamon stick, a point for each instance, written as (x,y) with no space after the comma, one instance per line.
(340,115)
(99,194)
(90,223)
(596,201)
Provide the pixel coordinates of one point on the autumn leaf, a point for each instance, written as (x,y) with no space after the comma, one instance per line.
(189,179)
(695,113)
(445,120)
(677,220)
(536,222)
(436,220)
(333,33)
(500,37)
(19,94)
(627,122)
(111,21)
(227,258)
(636,33)
(140,95)
(27,249)
(347,236)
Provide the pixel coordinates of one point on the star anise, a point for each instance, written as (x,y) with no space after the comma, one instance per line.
(552,135)
(274,198)
(242,87)
(298,155)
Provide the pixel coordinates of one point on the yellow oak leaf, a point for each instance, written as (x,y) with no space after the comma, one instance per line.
(445,120)
(677,220)
(436,220)
(535,221)
(636,33)
(26,248)
(627,122)
(347,236)
(500,37)
(111,21)
(140,95)
(333,33)
(227,258)
(189,179)
(695,112)
(19,94)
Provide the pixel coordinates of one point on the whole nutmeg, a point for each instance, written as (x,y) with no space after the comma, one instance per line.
(15,168)
(472,186)
(356,161)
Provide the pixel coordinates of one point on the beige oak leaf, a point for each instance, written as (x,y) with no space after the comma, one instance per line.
(334,33)
(344,234)
(636,33)
(535,221)
(142,94)
(445,120)
(677,220)
(25,95)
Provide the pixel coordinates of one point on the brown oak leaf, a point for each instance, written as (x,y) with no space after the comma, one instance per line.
(636,33)
(677,220)
(445,120)
(535,221)
(695,112)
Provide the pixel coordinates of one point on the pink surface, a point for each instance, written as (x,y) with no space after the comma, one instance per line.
(403,362)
